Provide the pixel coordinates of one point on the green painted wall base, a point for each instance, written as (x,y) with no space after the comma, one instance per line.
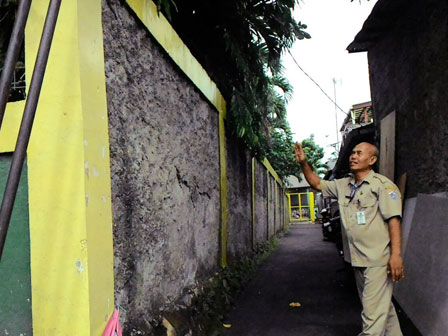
(15,275)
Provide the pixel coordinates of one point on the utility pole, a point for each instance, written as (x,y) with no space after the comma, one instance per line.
(336,116)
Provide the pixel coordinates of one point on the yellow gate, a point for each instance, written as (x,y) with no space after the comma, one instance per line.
(301,207)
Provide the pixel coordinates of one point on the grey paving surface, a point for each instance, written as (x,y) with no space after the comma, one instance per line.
(303,269)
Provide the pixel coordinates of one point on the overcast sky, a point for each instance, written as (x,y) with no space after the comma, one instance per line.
(333,25)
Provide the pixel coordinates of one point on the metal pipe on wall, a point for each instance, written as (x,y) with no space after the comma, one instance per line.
(12,54)
(27,120)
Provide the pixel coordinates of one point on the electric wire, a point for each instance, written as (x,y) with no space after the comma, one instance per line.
(326,95)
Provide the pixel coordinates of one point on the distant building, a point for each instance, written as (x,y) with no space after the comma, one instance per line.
(301,199)
(296,186)
(357,127)
(360,115)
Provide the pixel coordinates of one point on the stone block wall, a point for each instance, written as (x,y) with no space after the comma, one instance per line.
(165,168)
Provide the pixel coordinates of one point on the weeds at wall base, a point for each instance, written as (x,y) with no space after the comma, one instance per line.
(206,314)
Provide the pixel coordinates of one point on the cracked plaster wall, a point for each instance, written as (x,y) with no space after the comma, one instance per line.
(165,173)
(165,177)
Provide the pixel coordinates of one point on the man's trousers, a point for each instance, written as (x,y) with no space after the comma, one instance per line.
(375,291)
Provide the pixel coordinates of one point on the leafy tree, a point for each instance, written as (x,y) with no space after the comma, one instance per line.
(7,16)
(334,156)
(314,154)
(281,146)
(239,43)
(281,155)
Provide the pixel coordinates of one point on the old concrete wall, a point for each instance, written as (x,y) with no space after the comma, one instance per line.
(279,211)
(261,192)
(165,171)
(239,184)
(271,206)
(408,74)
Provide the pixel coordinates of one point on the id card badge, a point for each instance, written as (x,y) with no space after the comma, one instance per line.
(361,217)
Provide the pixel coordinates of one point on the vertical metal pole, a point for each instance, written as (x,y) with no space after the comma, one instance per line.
(27,120)
(336,115)
(12,54)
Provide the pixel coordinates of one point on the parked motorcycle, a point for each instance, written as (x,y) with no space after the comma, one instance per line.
(331,225)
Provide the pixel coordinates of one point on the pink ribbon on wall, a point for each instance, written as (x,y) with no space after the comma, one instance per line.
(113,327)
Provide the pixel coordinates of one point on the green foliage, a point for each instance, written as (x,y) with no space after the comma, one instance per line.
(7,16)
(281,155)
(239,43)
(314,154)
(165,6)
(334,156)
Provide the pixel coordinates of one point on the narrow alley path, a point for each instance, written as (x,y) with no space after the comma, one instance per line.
(303,269)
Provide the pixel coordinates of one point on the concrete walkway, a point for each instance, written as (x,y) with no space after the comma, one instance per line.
(303,269)
(307,270)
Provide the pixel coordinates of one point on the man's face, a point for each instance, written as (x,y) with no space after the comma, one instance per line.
(361,158)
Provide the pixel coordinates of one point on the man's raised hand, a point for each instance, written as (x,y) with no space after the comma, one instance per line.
(299,153)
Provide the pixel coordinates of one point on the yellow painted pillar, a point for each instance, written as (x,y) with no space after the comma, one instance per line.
(69,176)
(289,207)
(312,215)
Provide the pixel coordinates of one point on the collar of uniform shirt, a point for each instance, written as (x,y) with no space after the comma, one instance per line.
(354,187)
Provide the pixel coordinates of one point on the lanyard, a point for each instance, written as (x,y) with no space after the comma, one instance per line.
(353,189)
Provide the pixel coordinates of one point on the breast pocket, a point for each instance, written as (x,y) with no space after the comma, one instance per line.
(367,202)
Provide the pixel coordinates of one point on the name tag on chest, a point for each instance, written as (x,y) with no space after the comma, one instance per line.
(361,217)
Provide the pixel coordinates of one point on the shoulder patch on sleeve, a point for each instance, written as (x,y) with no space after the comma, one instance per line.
(383,179)
(392,194)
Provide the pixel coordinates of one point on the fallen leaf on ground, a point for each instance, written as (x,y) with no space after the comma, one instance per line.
(294,304)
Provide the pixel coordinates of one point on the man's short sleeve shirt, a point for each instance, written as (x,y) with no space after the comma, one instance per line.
(365,210)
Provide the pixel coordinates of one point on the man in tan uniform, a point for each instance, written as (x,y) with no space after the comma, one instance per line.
(370,207)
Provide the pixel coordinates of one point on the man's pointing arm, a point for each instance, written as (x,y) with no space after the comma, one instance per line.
(310,176)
